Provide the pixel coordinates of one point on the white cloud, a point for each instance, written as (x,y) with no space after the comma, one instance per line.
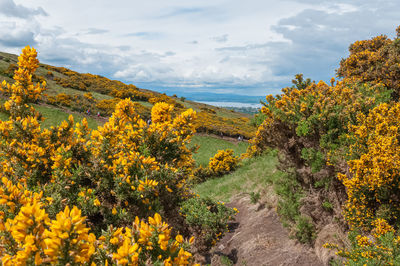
(230,45)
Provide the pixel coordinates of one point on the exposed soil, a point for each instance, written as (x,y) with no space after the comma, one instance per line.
(257,237)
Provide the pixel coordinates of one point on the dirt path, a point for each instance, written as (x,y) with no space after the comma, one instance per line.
(257,237)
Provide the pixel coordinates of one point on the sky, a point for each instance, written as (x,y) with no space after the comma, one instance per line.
(252,47)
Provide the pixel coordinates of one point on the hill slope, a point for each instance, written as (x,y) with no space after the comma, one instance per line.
(79,92)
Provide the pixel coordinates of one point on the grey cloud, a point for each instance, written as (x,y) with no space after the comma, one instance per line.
(11,35)
(169,53)
(78,56)
(17,39)
(319,39)
(124,47)
(221,38)
(10,9)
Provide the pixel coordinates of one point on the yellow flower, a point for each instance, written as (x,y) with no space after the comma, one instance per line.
(96,202)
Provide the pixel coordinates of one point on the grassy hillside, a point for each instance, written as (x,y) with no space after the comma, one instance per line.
(254,176)
(79,92)
(209,146)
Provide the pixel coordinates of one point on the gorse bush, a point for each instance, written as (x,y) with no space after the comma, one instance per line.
(373,183)
(223,162)
(339,142)
(308,124)
(382,247)
(71,195)
(376,60)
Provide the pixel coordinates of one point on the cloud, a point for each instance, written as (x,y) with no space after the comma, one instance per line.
(318,38)
(221,38)
(145,35)
(11,35)
(206,45)
(10,9)
(183,11)
(96,31)
(17,39)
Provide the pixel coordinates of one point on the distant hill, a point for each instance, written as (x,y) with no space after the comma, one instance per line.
(81,92)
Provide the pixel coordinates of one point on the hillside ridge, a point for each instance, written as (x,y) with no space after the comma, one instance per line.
(98,96)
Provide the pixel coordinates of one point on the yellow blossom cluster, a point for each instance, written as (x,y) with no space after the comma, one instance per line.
(372,187)
(153,239)
(375,60)
(223,162)
(125,168)
(23,90)
(382,248)
(31,237)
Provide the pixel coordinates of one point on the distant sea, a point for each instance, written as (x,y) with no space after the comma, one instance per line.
(231,104)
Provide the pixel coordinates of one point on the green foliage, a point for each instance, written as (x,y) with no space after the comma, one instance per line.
(226,261)
(290,193)
(303,129)
(201,174)
(327,205)
(313,157)
(207,218)
(255,197)
(305,231)
(257,119)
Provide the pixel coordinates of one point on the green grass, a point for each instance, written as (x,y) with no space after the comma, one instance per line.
(55,116)
(145,104)
(254,175)
(3,116)
(209,146)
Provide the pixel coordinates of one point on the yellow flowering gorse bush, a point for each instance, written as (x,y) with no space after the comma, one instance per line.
(223,162)
(109,176)
(373,185)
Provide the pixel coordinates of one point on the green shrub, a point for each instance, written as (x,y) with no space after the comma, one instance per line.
(305,230)
(208,219)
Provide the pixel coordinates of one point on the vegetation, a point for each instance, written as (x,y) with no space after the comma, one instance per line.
(69,194)
(81,93)
(207,218)
(339,143)
(255,174)
(119,190)
(223,162)
(208,146)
